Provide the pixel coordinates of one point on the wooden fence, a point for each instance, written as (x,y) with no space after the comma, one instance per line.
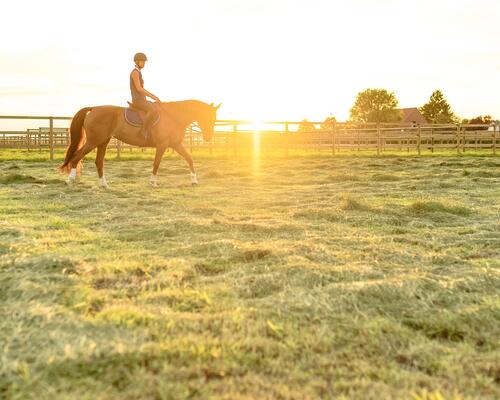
(243,136)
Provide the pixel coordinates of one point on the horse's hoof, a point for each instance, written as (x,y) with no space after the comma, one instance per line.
(194,184)
(154,184)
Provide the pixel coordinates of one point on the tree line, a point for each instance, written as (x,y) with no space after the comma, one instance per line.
(380,105)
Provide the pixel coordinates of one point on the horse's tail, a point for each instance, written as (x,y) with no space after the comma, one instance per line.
(77,138)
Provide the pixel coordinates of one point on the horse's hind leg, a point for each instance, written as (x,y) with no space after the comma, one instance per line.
(80,153)
(99,162)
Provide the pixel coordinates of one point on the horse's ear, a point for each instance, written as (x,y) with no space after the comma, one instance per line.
(216,108)
(211,104)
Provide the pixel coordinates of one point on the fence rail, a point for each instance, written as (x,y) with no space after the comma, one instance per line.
(235,136)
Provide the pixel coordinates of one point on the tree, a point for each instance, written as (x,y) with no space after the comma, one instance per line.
(480,120)
(329,123)
(437,110)
(375,105)
(306,126)
(487,119)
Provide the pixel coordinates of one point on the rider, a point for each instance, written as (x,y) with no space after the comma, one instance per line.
(139,94)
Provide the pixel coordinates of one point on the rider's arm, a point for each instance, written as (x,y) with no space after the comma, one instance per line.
(140,89)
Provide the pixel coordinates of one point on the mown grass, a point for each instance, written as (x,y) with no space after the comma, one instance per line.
(289,278)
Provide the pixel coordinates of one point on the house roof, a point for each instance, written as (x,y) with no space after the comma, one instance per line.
(410,115)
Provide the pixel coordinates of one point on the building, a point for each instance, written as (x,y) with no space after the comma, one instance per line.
(412,115)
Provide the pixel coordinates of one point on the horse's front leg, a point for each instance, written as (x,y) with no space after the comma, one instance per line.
(179,148)
(160,149)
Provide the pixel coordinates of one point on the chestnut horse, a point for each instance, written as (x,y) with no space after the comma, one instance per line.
(93,127)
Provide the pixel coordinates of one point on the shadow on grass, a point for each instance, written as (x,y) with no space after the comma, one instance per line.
(429,207)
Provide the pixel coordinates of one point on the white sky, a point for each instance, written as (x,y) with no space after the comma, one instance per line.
(263,59)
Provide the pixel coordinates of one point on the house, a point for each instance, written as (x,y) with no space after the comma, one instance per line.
(495,125)
(412,115)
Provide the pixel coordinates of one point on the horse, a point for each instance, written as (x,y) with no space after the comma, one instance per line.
(93,127)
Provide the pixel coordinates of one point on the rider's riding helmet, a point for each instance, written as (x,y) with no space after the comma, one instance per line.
(140,57)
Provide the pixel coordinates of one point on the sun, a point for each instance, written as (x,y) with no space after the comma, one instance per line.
(256,126)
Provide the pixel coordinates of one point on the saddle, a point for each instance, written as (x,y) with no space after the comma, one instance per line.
(135,117)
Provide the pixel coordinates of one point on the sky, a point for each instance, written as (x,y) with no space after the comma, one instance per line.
(263,59)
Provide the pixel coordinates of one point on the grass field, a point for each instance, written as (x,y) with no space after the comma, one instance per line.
(283,278)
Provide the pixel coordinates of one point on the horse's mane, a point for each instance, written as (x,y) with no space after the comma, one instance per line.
(185,110)
(184,105)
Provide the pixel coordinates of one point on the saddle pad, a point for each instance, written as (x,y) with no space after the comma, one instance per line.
(134,118)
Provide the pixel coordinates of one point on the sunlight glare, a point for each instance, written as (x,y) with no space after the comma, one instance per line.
(256,127)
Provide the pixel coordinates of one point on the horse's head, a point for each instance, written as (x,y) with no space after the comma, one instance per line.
(206,121)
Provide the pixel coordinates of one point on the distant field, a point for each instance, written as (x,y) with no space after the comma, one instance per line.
(281,278)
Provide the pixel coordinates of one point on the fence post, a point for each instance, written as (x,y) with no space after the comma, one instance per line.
(118,148)
(319,138)
(286,139)
(458,139)
(463,139)
(419,138)
(432,140)
(191,138)
(378,139)
(235,139)
(333,140)
(494,139)
(51,137)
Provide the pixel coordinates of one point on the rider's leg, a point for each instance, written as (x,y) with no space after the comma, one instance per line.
(149,119)
(143,105)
